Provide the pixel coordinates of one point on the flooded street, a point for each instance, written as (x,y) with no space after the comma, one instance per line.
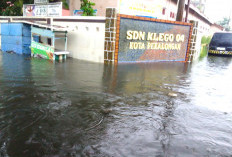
(79,108)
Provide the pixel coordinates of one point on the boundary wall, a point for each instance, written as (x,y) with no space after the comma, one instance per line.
(85,34)
(91,38)
(112,37)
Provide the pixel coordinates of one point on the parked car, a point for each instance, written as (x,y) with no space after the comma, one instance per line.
(221,44)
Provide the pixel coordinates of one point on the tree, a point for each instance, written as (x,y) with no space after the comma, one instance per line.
(13,7)
(86,6)
(225,23)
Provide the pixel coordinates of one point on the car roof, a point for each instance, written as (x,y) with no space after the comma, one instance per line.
(223,33)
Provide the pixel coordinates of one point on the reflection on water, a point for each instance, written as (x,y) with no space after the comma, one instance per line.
(78,108)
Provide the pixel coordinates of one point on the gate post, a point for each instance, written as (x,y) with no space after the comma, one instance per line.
(193,43)
(110,35)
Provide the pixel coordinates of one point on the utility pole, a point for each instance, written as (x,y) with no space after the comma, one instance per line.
(180,11)
(187,11)
(229,20)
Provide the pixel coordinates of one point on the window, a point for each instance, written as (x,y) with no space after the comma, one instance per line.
(49,41)
(164,10)
(172,15)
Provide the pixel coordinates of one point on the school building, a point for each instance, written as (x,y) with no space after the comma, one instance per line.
(165,9)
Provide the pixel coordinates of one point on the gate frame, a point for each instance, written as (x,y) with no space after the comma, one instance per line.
(119,16)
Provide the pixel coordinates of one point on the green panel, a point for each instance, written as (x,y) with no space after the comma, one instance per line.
(42,51)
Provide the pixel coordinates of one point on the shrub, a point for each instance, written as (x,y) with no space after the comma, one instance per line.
(206,39)
(86,6)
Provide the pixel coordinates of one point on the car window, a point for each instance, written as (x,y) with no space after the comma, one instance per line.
(222,39)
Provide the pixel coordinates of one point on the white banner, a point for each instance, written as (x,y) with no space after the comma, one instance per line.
(41,10)
(50,10)
(40,1)
(29,10)
(147,8)
(55,10)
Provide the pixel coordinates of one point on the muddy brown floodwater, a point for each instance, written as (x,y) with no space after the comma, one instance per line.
(77,108)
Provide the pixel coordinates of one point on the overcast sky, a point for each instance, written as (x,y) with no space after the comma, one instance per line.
(217,9)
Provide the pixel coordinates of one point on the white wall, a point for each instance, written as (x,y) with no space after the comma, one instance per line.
(198,45)
(0,37)
(85,40)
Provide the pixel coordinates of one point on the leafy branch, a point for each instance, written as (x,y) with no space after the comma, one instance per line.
(87,8)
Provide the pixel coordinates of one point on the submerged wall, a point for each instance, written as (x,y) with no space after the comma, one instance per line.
(86,35)
(85,38)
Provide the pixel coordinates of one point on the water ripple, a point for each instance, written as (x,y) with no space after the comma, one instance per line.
(79,108)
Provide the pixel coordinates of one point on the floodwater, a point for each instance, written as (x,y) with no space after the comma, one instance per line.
(78,109)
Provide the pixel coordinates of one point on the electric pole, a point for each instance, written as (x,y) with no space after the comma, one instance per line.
(187,11)
(180,11)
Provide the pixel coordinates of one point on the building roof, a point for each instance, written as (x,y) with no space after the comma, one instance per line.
(195,11)
(47,26)
(218,26)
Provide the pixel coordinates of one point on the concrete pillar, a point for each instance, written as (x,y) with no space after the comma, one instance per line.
(110,35)
(193,43)
(10,20)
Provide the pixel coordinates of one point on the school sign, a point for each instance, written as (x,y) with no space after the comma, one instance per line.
(140,39)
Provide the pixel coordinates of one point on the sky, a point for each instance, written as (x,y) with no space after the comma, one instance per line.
(217,9)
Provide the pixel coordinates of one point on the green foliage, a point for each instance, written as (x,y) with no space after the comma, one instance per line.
(86,6)
(65,4)
(206,39)
(13,7)
(225,23)
(204,51)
